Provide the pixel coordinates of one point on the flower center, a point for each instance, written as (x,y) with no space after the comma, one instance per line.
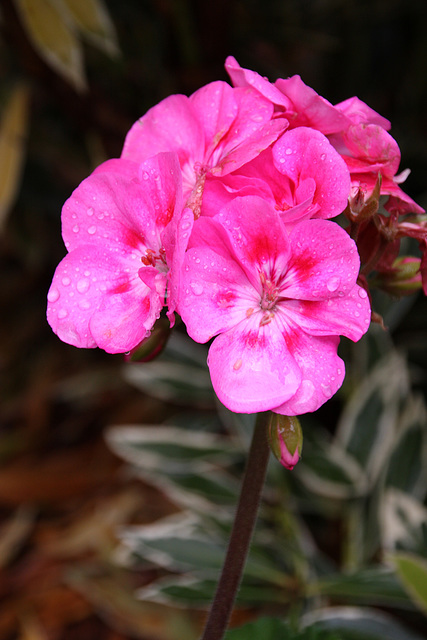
(270,293)
(150,258)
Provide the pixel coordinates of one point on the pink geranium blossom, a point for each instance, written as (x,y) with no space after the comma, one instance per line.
(110,288)
(214,132)
(277,304)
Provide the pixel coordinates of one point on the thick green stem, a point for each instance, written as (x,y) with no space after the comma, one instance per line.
(241,535)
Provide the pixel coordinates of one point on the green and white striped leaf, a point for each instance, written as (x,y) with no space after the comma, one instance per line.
(368,425)
(353,623)
(401,519)
(167,448)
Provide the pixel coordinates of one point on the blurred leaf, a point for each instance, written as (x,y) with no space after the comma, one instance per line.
(92,17)
(352,623)
(114,598)
(376,586)
(191,592)
(14,533)
(54,38)
(406,466)
(276,629)
(165,447)
(328,470)
(172,382)
(401,519)
(368,424)
(412,570)
(13,133)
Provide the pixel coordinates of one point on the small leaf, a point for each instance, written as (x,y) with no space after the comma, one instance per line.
(412,570)
(13,132)
(92,18)
(54,38)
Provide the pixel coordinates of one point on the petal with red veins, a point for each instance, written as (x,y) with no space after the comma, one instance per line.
(252,369)
(323,262)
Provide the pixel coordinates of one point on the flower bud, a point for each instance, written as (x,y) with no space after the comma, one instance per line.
(403,278)
(285,439)
(153,345)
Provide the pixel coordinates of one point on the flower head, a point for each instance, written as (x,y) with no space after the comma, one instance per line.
(110,288)
(276,303)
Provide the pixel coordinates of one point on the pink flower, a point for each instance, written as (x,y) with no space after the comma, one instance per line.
(121,229)
(301,175)
(214,132)
(277,304)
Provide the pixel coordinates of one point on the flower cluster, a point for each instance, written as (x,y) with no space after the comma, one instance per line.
(219,210)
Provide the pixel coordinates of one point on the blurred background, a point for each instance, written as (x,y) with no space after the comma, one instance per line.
(74,76)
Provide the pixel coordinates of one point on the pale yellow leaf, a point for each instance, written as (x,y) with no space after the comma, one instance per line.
(13,132)
(92,18)
(54,38)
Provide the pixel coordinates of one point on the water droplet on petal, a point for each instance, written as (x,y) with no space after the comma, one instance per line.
(66,281)
(76,228)
(83,285)
(62,313)
(197,288)
(84,304)
(362,293)
(237,364)
(333,284)
(90,211)
(323,156)
(53,294)
(288,152)
(92,230)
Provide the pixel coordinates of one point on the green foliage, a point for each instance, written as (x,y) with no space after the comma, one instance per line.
(369,476)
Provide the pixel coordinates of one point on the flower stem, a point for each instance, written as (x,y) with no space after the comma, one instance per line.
(241,534)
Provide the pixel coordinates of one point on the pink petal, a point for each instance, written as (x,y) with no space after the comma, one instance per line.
(171,125)
(244,77)
(322,373)
(113,209)
(215,108)
(323,261)
(302,154)
(84,280)
(370,148)
(311,109)
(360,113)
(251,368)
(348,316)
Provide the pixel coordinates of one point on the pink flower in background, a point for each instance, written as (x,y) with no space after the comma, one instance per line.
(214,132)
(110,288)
(276,303)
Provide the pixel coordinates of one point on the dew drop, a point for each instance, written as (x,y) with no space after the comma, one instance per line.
(83,285)
(66,281)
(288,152)
(84,304)
(333,284)
(323,156)
(62,313)
(197,288)
(92,230)
(90,211)
(53,294)
(237,364)
(362,293)
(76,228)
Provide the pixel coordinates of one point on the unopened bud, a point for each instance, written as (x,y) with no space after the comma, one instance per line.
(285,439)
(403,278)
(153,345)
